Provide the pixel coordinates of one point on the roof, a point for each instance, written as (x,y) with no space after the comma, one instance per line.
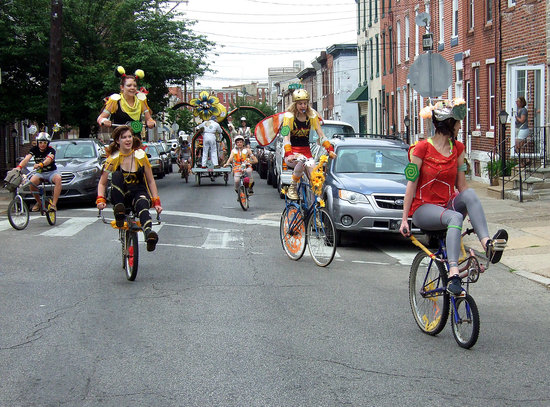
(361,94)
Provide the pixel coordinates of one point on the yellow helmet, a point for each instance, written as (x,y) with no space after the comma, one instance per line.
(300,94)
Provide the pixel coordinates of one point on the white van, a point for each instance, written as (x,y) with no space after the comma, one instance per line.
(331,128)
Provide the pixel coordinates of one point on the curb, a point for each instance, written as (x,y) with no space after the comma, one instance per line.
(537,278)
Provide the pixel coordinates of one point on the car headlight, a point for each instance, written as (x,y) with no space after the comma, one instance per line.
(155,161)
(352,197)
(88,172)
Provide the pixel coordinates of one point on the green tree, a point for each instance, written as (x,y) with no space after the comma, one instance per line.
(252,117)
(183,117)
(98,35)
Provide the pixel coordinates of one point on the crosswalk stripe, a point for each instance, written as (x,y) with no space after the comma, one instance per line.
(70,227)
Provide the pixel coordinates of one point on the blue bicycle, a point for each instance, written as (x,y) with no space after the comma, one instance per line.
(306,222)
(428,294)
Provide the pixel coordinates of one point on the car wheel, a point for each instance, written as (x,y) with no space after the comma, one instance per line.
(269,175)
(279,188)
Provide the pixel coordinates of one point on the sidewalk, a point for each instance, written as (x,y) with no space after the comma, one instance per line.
(528,226)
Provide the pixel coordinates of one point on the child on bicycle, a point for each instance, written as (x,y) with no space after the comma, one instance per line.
(183,157)
(44,158)
(297,123)
(132,183)
(437,196)
(242,156)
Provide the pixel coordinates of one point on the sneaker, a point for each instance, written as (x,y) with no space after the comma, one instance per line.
(152,238)
(120,214)
(454,287)
(496,245)
(292,192)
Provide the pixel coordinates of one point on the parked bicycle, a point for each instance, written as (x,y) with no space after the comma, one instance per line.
(306,222)
(18,211)
(128,236)
(428,294)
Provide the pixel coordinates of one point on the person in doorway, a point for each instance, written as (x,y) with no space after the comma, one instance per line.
(522,127)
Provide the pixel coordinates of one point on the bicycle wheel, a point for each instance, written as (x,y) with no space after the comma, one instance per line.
(292,232)
(321,237)
(427,294)
(243,197)
(131,255)
(51,215)
(18,213)
(465,321)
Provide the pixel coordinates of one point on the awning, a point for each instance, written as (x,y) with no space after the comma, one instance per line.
(361,94)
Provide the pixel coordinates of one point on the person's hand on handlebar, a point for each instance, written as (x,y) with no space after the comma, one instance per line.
(151,123)
(158,208)
(106,122)
(404,228)
(332,155)
(101,205)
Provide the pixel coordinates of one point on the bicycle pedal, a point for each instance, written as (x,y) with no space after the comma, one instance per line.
(499,245)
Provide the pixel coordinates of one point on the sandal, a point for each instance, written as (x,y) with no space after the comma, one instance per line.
(152,239)
(496,245)
(36,208)
(52,208)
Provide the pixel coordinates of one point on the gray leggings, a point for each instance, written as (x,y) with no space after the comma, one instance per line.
(433,217)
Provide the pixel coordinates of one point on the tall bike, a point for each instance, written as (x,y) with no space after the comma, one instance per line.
(307,222)
(428,296)
(18,211)
(244,183)
(128,236)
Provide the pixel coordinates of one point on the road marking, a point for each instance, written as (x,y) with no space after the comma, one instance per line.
(70,227)
(370,262)
(404,257)
(220,240)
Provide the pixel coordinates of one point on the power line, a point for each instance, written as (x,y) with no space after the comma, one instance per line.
(275,38)
(283,22)
(263,14)
(301,4)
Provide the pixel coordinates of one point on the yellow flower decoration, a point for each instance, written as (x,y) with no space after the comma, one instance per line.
(318,176)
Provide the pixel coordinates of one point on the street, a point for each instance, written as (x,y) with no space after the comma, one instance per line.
(219,316)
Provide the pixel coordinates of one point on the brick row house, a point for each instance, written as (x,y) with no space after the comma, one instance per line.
(497,50)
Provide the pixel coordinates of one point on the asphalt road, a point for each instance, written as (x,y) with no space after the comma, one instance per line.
(219,316)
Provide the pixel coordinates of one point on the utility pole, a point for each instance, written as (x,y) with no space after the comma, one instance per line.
(54,84)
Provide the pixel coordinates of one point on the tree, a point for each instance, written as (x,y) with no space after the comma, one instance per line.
(252,118)
(97,37)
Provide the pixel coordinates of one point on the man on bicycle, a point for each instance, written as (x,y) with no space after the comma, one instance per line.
(241,156)
(46,170)
(184,156)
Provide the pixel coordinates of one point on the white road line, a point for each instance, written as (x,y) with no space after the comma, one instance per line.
(370,262)
(404,257)
(69,228)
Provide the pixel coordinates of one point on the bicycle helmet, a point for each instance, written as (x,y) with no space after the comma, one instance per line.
(43,136)
(243,119)
(239,138)
(300,94)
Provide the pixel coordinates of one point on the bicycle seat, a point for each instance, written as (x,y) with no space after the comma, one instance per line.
(435,234)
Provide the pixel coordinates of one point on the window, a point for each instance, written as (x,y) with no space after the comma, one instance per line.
(455,18)
(358,17)
(398,41)
(416,35)
(371,59)
(377,56)
(375,10)
(407,38)
(491,92)
(370,13)
(399,120)
(383,53)
(488,11)
(364,14)
(477,97)
(471,15)
(383,8)
(391,48)
(365,64)
(459,70)
(441,22)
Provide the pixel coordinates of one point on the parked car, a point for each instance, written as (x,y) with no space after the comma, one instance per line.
(164,151)
(79,162)
(155,159)
(263,155)
(331,128)
(365,184)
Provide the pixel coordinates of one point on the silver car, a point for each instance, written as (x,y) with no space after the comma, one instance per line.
(365,185)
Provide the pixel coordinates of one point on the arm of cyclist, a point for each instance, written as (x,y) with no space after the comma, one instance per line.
(149,119)
(24,162)
(103,119)
(47,161)
(153,189)
(101,202)
(229,160)
(461,184)
(323,141)
(409,195)
(253,159)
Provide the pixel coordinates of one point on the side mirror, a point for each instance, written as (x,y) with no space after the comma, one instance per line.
(148,155)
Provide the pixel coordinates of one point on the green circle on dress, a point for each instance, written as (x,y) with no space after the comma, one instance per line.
(136,126)
(411,172)
(285,131)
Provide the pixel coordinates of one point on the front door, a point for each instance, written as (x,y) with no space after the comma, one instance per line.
(526,81)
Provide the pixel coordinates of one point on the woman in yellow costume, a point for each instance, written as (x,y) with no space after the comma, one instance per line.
(128,105)
(132,182)
(299,119)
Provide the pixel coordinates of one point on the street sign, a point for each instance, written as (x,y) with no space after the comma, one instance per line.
(295,86)
(175,126)
(430,75)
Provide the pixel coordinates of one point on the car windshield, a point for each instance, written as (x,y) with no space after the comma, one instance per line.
(151,150)
(73,149)
(253,144)
(331,130)
(372,159)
